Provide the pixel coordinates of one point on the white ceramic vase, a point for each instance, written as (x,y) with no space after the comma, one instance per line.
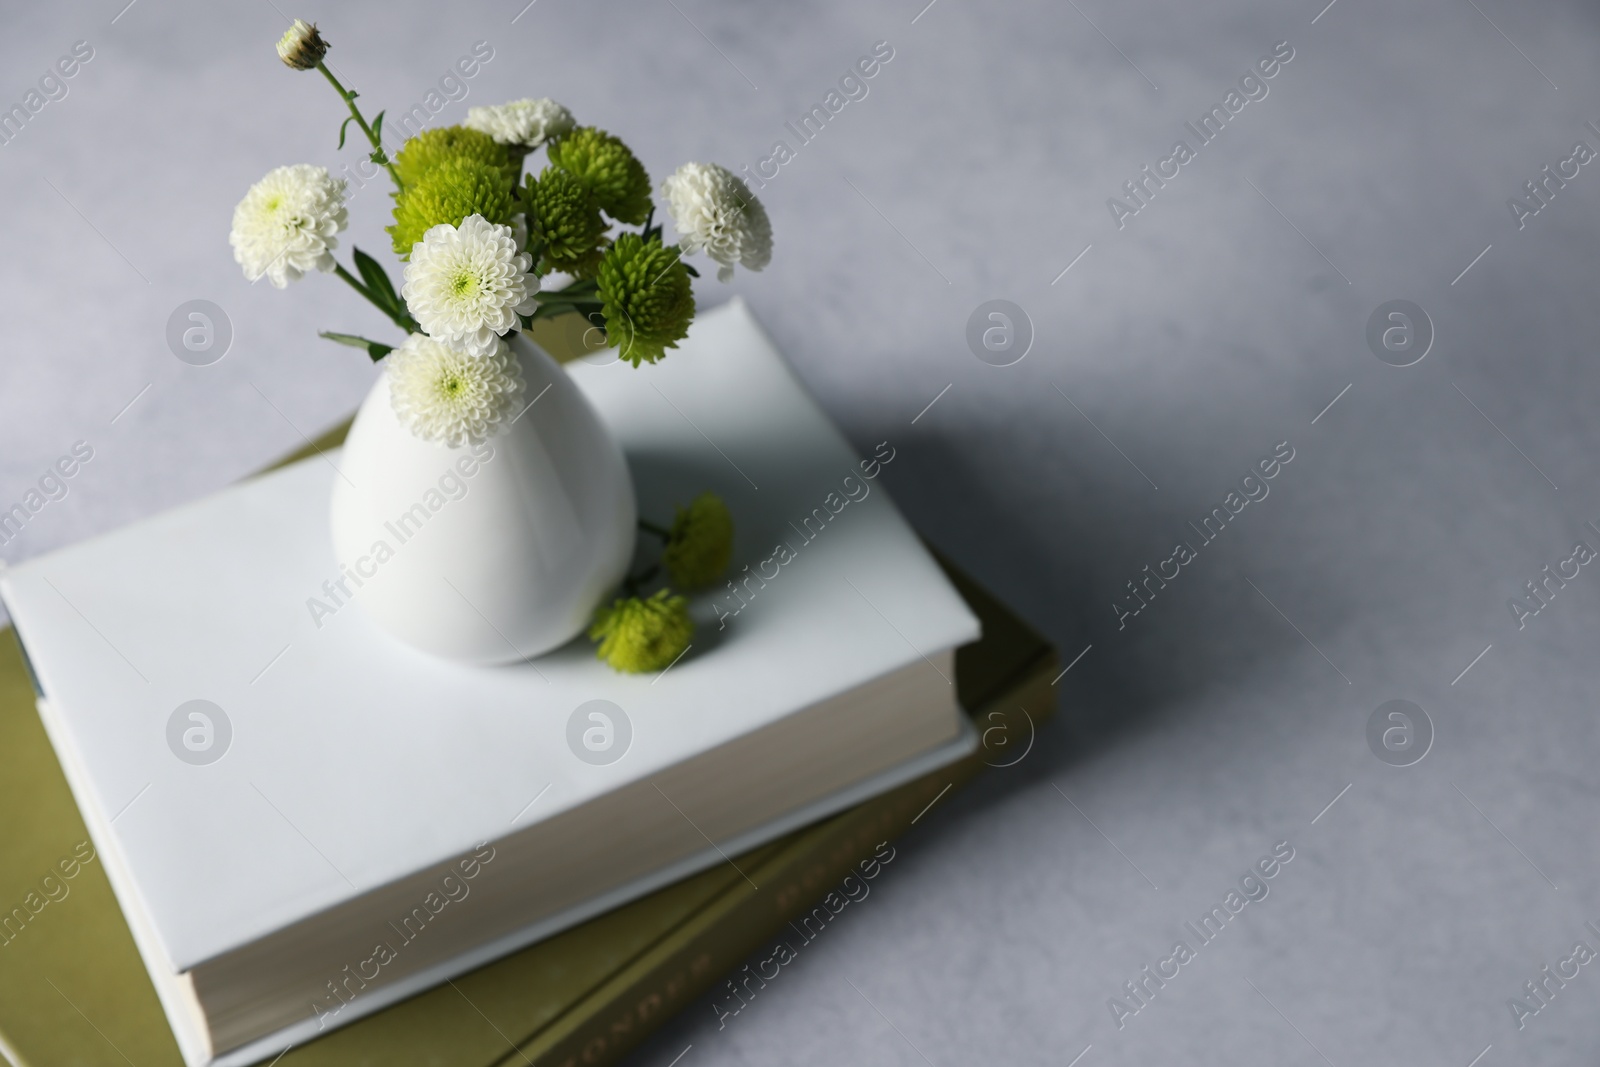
(490,553)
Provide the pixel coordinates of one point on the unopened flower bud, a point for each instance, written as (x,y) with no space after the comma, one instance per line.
(302,47)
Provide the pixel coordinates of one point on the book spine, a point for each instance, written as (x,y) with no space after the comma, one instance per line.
(617,1017)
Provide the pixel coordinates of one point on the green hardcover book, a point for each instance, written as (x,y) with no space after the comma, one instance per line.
(1005,681)
(74,991)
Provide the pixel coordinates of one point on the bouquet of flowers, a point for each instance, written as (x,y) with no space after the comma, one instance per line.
(480,234)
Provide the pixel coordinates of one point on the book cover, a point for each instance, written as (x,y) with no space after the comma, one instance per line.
(73,990)
(351,763)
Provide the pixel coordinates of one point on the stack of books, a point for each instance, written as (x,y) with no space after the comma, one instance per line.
(324,842)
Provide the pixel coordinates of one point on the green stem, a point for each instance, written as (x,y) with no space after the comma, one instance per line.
(549,309)
(579,295)
(632,583)
(378,154)
(660,531)
(406,323)
(561,307)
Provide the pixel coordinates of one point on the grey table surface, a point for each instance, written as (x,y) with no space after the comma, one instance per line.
(1187,340)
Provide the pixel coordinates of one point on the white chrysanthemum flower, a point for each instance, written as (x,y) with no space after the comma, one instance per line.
(285,224)
(466,285)
(442,394)
(524,122)
(713,209)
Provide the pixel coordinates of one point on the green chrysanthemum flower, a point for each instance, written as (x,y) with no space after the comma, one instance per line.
(701,543)
(448,193)
(564,215)
(638,635)
(645,297)
(432,147)
(607,169)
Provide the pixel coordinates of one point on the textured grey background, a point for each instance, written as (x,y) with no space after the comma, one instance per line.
(1196,338)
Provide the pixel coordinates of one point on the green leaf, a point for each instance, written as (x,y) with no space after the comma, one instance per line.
(377,127)
(692,272)
(342,126)
(378,284)
(375,349)
(345,338)
(546,311)
(577,290)
(549,309)
(561,307)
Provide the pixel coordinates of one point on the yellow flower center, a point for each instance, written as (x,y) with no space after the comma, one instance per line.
(464,283)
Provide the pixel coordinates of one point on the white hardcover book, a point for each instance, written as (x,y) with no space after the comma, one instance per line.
(349,821)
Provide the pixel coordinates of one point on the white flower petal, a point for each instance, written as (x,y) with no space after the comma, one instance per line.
(714,210)
(442,394)
(466,285)
(286,223)
(525,122)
